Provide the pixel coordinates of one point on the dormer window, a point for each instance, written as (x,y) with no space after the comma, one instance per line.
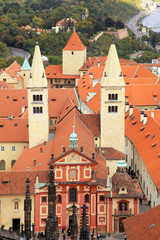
(123,190)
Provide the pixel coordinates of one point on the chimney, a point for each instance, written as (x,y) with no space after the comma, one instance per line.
(127,106)
(64,149)
(34,162)
(52,156)
(91,75)
(131,110)
(145,119)
(81,150)
(41,150)
(37,182)
(152,114)
(98,63)
(142,116)
(23,109)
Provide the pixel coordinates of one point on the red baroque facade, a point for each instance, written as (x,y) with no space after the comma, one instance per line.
(75,176)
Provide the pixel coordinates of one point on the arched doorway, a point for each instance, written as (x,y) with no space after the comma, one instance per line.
(121,228)
(69,216)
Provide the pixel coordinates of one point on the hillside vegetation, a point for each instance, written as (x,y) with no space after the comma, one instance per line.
(45,13)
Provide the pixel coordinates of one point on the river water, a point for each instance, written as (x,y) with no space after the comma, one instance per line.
(153,20)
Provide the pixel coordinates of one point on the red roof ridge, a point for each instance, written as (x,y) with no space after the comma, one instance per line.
(74,43)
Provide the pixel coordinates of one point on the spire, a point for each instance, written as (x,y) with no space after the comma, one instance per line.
(74,43)
(25,66)
(112,75)
(38,72)
(73,139)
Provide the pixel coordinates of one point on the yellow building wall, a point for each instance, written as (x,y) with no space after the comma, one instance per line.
(73,62)
(25,74)
(111,164)
(7,211)
(130,200)
(8,155)
(112,123)
(38,122)
(9,80)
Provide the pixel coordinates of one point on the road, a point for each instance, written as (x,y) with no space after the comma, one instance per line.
(20,52)
(132,23)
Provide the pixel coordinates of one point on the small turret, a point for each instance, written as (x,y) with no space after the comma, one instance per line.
(73,139)
(25,73)
(121,166)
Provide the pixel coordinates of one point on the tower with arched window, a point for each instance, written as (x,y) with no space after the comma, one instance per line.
(112,102)
(37,101)
(74,55)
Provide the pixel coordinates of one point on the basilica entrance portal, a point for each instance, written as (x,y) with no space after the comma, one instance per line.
(121,228)
(69,216)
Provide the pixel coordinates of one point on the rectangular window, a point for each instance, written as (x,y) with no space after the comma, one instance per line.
(73,173)
(13,148)
(101,198)
(2,148)
(44,199)
(51,122)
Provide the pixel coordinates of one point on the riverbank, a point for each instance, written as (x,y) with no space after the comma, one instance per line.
(152,20)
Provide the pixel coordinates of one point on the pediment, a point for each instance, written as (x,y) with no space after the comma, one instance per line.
(71,158)
(100,188)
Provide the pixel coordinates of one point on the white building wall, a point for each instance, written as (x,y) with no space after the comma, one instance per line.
(146,182)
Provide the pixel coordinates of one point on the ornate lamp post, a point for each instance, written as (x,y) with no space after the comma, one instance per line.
(84,230)
(27,209)
(51,230)
(74,225)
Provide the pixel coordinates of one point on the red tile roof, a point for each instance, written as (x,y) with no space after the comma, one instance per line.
(4,85)
(125,180)
(57,98)
(111,153)
(137,71)
(74,43)
(13,71)
(14,182)
(12,101)
(139,91)
(155,114)
(93,61)
(55,72)
(67,107)
(146,139)
(92,122)
(145,226)
(15,130)
(63,21)
(146,95)
(40,153)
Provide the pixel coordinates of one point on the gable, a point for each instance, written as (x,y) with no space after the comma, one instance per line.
(73,158)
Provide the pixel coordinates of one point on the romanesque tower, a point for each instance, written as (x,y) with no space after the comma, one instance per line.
(74,55)
(112,103)
(25,73)
(37,101)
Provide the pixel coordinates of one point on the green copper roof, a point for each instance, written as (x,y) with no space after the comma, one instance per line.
(25,65)
(73,136)
(121,163)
